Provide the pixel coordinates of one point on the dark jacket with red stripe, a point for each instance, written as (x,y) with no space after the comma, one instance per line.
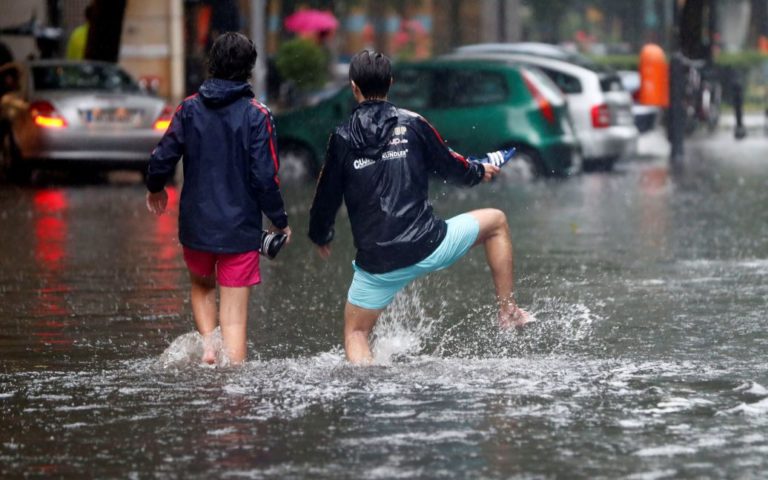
(379,163)
(228,145)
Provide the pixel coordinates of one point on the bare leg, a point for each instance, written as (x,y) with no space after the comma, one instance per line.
(358,324)
(204,311)
(494,236)
(233,316)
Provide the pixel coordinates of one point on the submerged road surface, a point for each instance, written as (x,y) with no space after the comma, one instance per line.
(648,360)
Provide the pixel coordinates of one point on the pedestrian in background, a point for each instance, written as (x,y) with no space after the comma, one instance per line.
(78,40)
(227,141)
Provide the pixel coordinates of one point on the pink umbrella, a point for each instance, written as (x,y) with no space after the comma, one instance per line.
(307,21)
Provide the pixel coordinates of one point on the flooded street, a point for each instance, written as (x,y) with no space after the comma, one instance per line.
(648,360)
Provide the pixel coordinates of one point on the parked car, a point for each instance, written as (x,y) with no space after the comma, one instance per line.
(302,134)
(545,50)
(477,106)
(63,114)
(484,105)
(600,107)
(646,117)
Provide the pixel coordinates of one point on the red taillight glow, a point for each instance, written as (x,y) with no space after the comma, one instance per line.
(164,120)
(545,107)
(601,116)
(45,115)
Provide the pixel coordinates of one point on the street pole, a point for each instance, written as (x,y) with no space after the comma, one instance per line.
(176,28)
(676,118)
(259,37)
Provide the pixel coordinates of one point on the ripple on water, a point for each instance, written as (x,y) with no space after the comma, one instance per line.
(454,388)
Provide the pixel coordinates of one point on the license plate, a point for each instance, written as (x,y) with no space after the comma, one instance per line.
(123,116)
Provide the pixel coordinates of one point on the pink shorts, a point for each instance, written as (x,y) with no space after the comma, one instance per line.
(232,269)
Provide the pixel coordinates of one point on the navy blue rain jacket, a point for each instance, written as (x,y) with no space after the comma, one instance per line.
(229,149)
(379,163)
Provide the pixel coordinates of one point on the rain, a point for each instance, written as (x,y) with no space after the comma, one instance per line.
(648,279)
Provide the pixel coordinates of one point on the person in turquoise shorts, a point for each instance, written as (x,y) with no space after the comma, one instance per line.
(379,163)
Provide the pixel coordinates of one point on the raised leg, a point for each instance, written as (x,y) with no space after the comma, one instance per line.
(495,238)
(233,316)
(204,310)
(358,324)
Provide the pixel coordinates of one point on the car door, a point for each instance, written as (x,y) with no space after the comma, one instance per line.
(467,106)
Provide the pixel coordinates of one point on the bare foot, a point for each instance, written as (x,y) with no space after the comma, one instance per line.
(515,317)
(209,356)
(209,352)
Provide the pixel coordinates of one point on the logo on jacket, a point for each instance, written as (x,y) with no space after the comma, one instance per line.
(362,163)
(395,154)
(400,130)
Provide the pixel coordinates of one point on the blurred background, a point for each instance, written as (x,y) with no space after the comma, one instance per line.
(644,259)
(682,63)
(165,42)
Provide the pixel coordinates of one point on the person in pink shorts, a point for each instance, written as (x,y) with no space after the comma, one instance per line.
(227,141)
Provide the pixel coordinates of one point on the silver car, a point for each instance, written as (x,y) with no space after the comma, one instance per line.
(63,113)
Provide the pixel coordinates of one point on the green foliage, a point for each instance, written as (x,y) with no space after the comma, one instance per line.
(618,62)
(742,60)
(303,62)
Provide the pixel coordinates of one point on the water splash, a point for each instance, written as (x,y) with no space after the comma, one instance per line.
(406,329)
(403,328)
(187,350)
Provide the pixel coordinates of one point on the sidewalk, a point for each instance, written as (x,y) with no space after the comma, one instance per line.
(654,143)
(752,121)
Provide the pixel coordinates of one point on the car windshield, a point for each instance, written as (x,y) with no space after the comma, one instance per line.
(98,77)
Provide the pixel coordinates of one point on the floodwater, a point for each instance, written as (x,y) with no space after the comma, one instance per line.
(648,360)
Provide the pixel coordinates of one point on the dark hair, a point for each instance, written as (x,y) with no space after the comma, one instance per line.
(372,73)
(232,57)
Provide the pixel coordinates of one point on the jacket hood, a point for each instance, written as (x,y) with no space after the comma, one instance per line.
(370,127)
(216,92)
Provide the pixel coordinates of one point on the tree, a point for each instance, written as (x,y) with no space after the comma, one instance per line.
(548,16)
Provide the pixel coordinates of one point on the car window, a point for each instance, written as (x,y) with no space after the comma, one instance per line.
(611,83)
(566,83)
(411,89)
(108,78)
(467,88)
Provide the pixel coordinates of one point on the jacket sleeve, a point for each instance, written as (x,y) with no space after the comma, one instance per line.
(165,156)
(444,161)
(264,164)
(329,193)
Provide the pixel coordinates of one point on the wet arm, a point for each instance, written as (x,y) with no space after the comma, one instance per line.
(264,167)
(167,153)
(328,195)
(444,161)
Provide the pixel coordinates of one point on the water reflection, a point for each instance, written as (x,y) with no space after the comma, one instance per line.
(51,308)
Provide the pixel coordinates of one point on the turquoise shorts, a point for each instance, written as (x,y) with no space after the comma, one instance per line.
(375,291)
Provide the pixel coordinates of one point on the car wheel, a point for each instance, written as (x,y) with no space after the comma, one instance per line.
(12,162)
(600,164)
(297,163)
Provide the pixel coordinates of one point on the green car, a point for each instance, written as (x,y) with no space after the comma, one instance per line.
(302,135)
(477,106)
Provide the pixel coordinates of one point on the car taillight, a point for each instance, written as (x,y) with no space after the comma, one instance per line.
(601,116)
(164,120)
(545,107)
(45,115)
